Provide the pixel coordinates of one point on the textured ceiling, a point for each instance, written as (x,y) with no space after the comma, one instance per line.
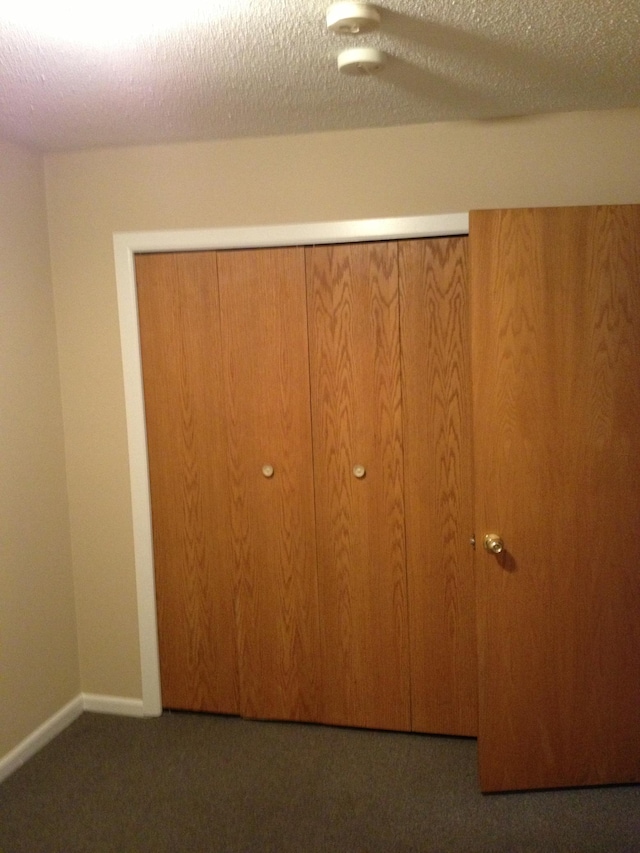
(265,67)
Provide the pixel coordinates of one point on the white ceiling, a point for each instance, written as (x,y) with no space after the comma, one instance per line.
(263,67)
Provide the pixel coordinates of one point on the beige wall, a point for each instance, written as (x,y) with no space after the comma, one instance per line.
(38,651)
(578,158)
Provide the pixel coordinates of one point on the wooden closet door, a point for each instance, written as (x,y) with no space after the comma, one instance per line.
(556,372)
(266,367)
(357,421)
(438,466)
(187,442)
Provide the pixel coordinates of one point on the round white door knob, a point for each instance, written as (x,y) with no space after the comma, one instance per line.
(359,471)
(267,470)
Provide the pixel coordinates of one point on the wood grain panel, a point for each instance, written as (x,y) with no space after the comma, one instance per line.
(263,307)
(186,434)
(556,360)
(436,406)
(356,403)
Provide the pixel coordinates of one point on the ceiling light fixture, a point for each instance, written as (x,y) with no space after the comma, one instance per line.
(108,24)
(361,60)
(352,19)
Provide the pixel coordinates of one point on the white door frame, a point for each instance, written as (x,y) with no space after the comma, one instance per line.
(126,246)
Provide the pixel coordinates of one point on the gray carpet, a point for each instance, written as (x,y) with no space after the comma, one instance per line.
(189,782)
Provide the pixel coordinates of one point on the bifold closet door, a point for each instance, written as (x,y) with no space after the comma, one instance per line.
(266,372)
(187,441)
(357,444)
(556,361)
(438,476)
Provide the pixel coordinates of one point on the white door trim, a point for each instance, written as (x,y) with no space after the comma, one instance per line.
(126,246)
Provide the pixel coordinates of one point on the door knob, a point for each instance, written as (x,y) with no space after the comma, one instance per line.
(267,471)
(493,543)
(359,471)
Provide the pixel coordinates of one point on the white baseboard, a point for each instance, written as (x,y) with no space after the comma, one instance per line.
(112,705)
(63,718)
(40,737)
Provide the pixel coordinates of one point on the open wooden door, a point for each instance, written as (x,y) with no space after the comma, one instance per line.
(556,373)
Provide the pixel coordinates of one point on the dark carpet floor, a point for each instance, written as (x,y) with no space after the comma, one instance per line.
(185,783)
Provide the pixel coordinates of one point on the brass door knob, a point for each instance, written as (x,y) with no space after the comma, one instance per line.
(493,543)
